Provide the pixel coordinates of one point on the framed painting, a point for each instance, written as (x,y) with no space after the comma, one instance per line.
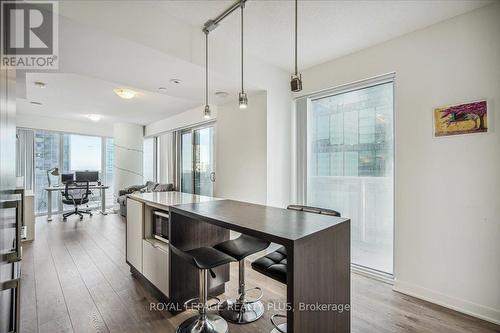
(459,119)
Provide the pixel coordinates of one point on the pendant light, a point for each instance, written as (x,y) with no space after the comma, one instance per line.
(206,113)
(242,98)
(296,81)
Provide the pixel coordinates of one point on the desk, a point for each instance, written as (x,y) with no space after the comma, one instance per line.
(101,188)
(318,247)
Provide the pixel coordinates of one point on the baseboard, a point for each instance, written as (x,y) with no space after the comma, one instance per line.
(460,305)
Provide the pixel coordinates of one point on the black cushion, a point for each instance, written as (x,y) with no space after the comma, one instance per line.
(273,265)
(122,200)
(77,201)
(164,188)
(208,257)
(242,246)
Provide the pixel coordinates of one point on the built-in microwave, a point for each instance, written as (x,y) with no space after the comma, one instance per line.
(160,225)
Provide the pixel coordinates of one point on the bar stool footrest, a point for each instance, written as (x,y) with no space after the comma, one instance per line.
(210,307)
(249,301)
(216,305)
(185,305)
(281,328)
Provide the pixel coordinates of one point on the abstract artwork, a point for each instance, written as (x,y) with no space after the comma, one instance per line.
(461,119)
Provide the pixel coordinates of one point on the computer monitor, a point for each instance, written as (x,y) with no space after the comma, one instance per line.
(87,176)
(67,177)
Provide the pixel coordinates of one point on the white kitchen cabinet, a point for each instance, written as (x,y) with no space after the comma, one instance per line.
(155,264)
(135,231)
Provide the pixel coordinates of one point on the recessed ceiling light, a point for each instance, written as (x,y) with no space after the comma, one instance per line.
(39,84)
(125,93)
(35,103)
(221,94)
(162,89)
(94,117)
(175,81)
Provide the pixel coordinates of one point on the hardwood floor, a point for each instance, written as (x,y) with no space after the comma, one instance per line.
(75,279)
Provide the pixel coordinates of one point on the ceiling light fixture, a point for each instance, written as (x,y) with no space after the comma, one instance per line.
(175,81)
(211,25)
(39,84)
(94,117)
(296,81)
(162,89)
(242,97)
(125,93)
(206,113)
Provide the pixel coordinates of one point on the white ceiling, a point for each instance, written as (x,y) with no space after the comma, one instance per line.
(327,28)
(143,44)
(74,96)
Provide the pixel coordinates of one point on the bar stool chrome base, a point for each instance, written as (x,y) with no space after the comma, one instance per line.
(212,324)
(280,329)
(241,313)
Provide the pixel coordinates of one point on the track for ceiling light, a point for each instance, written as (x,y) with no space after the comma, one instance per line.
(210,25)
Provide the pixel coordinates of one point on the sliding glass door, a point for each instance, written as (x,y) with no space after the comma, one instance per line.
(197,161)
(350,165)
(187,162)
(204,171)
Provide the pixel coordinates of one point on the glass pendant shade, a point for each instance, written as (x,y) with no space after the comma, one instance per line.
(207,113)
(243,100)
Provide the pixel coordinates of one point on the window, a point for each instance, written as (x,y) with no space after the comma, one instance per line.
(187,162)
(70,153)
(81,152)
(24,156)
(46,157)
(197,167)
(349,165)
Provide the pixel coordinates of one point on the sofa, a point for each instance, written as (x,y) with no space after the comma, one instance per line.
(150,186)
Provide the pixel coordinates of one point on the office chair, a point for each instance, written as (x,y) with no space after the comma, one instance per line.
(76,194)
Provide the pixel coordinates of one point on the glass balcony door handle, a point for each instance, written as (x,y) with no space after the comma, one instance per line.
(14,284)
(9,284)
(212,177)
(16,253)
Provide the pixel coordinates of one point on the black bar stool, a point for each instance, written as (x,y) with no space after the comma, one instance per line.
(274,265)
(242,310)
(204,258)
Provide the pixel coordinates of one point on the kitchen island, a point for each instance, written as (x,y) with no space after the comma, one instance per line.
(318,247)
(149,256)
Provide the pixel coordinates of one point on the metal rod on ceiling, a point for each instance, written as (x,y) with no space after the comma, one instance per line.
(212,24)
(296,30)
(242,90)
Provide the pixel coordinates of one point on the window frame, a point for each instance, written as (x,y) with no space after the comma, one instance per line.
(191,130)
(301,155)
(61,157)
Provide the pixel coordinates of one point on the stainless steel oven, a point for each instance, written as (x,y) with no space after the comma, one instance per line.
(161,220)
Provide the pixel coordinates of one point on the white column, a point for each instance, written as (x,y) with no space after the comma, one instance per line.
(128,155)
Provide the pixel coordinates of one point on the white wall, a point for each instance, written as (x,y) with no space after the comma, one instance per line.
(64,125)
(241,159)
(128,155)
(241,146)
(447,189)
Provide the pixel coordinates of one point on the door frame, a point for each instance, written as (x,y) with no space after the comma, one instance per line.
(193,160)
(301,167)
